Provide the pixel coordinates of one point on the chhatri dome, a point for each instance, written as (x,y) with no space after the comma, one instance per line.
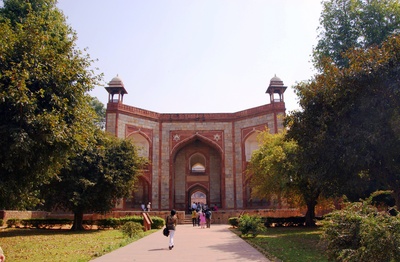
(116,82)
(116,87)
(276,89)
(275,79)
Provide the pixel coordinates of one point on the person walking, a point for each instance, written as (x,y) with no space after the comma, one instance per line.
(208,218)
(202,220)
(194,217)
(149,206)
(171,222)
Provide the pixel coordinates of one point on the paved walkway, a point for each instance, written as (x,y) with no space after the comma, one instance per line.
(192,244)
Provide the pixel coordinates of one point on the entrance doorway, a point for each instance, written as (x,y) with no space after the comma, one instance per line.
(198,197)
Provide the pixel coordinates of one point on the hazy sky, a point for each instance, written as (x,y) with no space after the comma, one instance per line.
(197,56)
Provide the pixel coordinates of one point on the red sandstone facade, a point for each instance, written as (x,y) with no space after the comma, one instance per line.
(194,155)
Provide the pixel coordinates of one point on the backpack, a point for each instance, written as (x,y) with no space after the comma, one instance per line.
(166,231)
(169,223)
(208,214)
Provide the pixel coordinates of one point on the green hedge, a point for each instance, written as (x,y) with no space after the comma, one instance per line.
(114,223)
(38,222)
(118,222)
(13,222)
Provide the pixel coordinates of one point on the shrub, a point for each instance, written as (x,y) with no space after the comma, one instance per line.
(45,222)
(118,222)
(89,222)
(136,219)
(131,229)
(13,222)
(158,223)
(250,225)
(360,233)
(108,223)
(284,221)
(382,199)
(233,221)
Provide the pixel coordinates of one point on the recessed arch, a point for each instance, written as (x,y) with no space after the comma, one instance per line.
(196,151)
(142,144)
(193,138)
(251,144)
(199,194)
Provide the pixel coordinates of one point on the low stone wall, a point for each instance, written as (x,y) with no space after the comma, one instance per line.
(222,216)
(11,214)
(218,217)
(116,214)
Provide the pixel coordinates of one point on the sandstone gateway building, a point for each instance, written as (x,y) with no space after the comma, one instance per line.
(194,156)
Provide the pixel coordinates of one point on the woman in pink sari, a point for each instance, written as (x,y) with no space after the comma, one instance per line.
(202,220)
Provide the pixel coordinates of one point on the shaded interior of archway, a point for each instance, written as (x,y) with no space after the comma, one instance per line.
(141,193)
(184,179)
(198,197)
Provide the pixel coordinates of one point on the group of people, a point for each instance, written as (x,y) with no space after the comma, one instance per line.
(201,217)
(146,207)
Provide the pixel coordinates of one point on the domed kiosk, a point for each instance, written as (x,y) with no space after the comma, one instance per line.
(276,89)
(116,87)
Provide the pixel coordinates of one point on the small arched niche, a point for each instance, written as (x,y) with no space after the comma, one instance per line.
(197,164)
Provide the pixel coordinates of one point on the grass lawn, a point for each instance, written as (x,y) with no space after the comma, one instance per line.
(60,245)
(294,244)
(290,244)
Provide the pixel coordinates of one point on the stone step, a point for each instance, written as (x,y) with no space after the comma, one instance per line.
(188,219)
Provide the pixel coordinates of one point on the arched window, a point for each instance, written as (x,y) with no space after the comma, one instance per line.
(250,145)
(197,163)
(141,143)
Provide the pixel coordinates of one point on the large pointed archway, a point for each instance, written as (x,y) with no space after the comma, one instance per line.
(196,166)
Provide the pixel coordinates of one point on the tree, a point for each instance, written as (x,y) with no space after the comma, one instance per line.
(347,24)
(347,130)
(96,178)
(276,168)
(269,170)
(98,107)
(295,170)
(349,126)
(44,104)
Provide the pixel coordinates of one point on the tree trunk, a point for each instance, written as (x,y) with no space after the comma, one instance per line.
(311,201)
(310,214)
(78,222)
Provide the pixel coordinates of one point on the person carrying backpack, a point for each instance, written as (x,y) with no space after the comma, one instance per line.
(171,222)
(208,218)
